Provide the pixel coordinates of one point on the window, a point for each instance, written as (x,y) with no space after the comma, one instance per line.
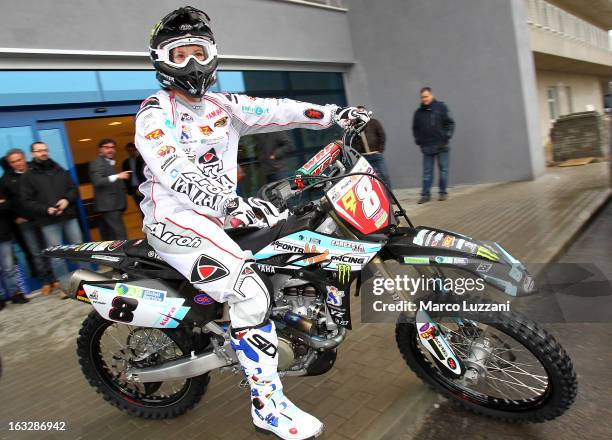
(553,103)
(569,100)
(48,87)
(23,88)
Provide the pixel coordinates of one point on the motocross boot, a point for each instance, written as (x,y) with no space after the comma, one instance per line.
(256,349)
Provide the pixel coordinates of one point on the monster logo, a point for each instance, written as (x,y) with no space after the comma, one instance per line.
(344,273)
(487,253)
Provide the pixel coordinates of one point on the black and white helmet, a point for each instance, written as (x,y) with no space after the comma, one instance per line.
(183,51)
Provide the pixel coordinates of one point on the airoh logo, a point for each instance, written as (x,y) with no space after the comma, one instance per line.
(158,230)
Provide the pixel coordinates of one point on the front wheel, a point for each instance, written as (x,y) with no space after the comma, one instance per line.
(515,370)
(106,349)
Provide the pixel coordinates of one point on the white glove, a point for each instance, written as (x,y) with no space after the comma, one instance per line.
(352,117)
(267,211)
(240,214)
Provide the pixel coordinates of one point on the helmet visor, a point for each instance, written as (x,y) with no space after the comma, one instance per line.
(179,52)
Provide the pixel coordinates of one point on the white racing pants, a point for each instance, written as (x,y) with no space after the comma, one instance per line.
(197,246)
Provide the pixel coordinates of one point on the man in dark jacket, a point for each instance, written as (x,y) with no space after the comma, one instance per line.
(109,191)
(28,232)
(135,164)
(433,128)
(49,197)
(273,148)
(371,144)
(9,275)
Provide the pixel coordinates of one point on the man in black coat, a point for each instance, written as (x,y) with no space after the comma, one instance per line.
(371,144)
(9,283)
(135,164)
(433,127)
(49,197)
(28,231)
(109,191)
(273,148)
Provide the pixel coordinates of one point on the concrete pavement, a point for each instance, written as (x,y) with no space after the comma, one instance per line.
(370,393)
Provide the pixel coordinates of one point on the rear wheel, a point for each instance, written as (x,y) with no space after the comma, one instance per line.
(515,370)
(106,349)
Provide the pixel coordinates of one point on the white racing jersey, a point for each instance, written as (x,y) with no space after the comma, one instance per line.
(191,150)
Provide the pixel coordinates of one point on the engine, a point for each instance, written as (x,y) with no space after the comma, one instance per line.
(301,308)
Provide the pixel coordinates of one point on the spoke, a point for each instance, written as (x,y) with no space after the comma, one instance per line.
(519,372)
(535,390)
(514,364)
(111,335)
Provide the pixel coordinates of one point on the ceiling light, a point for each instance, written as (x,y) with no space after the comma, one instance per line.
(115,123)
(84,140)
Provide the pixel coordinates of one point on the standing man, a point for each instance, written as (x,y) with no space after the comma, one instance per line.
(9,285)
(371,144)
(135,165)
(109,191)
(27,227)
(273,147)
(49,197)
(433,127)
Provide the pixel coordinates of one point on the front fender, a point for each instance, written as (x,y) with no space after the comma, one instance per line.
(488,260)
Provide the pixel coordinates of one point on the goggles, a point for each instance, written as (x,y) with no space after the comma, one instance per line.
(179,52)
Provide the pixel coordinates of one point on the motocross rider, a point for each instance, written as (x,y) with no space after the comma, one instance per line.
(188,138)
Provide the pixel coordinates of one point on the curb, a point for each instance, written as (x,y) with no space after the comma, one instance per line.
(587,217)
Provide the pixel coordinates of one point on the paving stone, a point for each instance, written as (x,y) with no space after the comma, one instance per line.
(369,390)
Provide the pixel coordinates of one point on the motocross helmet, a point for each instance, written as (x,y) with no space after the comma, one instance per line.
(183,51)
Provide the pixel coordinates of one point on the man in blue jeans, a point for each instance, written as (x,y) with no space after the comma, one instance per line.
(16,167)
(49,196)
(9,275)
(433,127)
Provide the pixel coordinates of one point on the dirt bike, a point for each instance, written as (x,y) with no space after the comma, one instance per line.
(153,338)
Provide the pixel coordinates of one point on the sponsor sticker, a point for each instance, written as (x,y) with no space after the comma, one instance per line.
(254,110)
(144,293)
(116,244)
(312,113)
(484,267)
(487,253)
(222,122)
(344,272)
(155,134)
(106,258)
(448,241)
(419,239)
(416,260)
(206,130)
(266,268)
(451,260)
(203,299)
(165,150)
(436,239)
(334,296)
(429,333)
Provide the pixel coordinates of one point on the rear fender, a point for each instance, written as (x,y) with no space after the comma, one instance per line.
(488,260)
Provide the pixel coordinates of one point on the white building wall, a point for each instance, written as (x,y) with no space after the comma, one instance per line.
(586,93)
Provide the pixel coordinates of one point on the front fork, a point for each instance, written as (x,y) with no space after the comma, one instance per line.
(430,335)
(435,342)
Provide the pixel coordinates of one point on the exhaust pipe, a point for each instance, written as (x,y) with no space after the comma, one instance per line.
(318,342)
(70,283)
